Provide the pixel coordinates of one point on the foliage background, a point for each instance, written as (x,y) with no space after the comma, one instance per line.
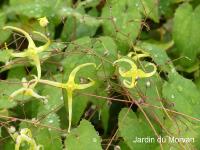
(108,115)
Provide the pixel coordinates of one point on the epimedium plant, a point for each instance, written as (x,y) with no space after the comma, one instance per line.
(90,74)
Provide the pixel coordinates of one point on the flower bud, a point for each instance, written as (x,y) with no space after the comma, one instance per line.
(43,21)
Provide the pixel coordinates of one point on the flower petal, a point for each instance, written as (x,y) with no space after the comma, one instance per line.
(84,86)
(30,41)
(128,84)
(75,70)
(142,74)
(46,45)
(133,65)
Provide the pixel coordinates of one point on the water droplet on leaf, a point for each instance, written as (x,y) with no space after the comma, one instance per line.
(173,70)
(148,84)
(94,140)
(50,121)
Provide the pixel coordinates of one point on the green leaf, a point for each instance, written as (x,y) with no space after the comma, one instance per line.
(73,29)
(102,51)
(55,98)
(183,95)
(166,7)
(79,106)
(80,17)
(182,129)
(186,34)
(4,34)
(197,82)
(8,144)
(33,8)
(102,104)
(76,29)
(18,72)
(88,3)
(149,90)
(83,137)
(11,85)
(123,146)
(106,50)
(158,53)
(132,127)
(149,8)
(75,58)
(4,55)
(121,21)
(104,116)
(16,2)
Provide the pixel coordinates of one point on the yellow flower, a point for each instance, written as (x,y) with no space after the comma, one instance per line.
(70,86)
(43,21)
(28,90)
(25,135)
(32,52)
(134,73)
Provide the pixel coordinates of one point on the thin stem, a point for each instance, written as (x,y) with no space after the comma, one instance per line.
(52,83)
(19,54)
(19,91)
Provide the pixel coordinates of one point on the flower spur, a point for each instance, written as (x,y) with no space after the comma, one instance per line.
(32,51)
(134,73)
(70,86)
